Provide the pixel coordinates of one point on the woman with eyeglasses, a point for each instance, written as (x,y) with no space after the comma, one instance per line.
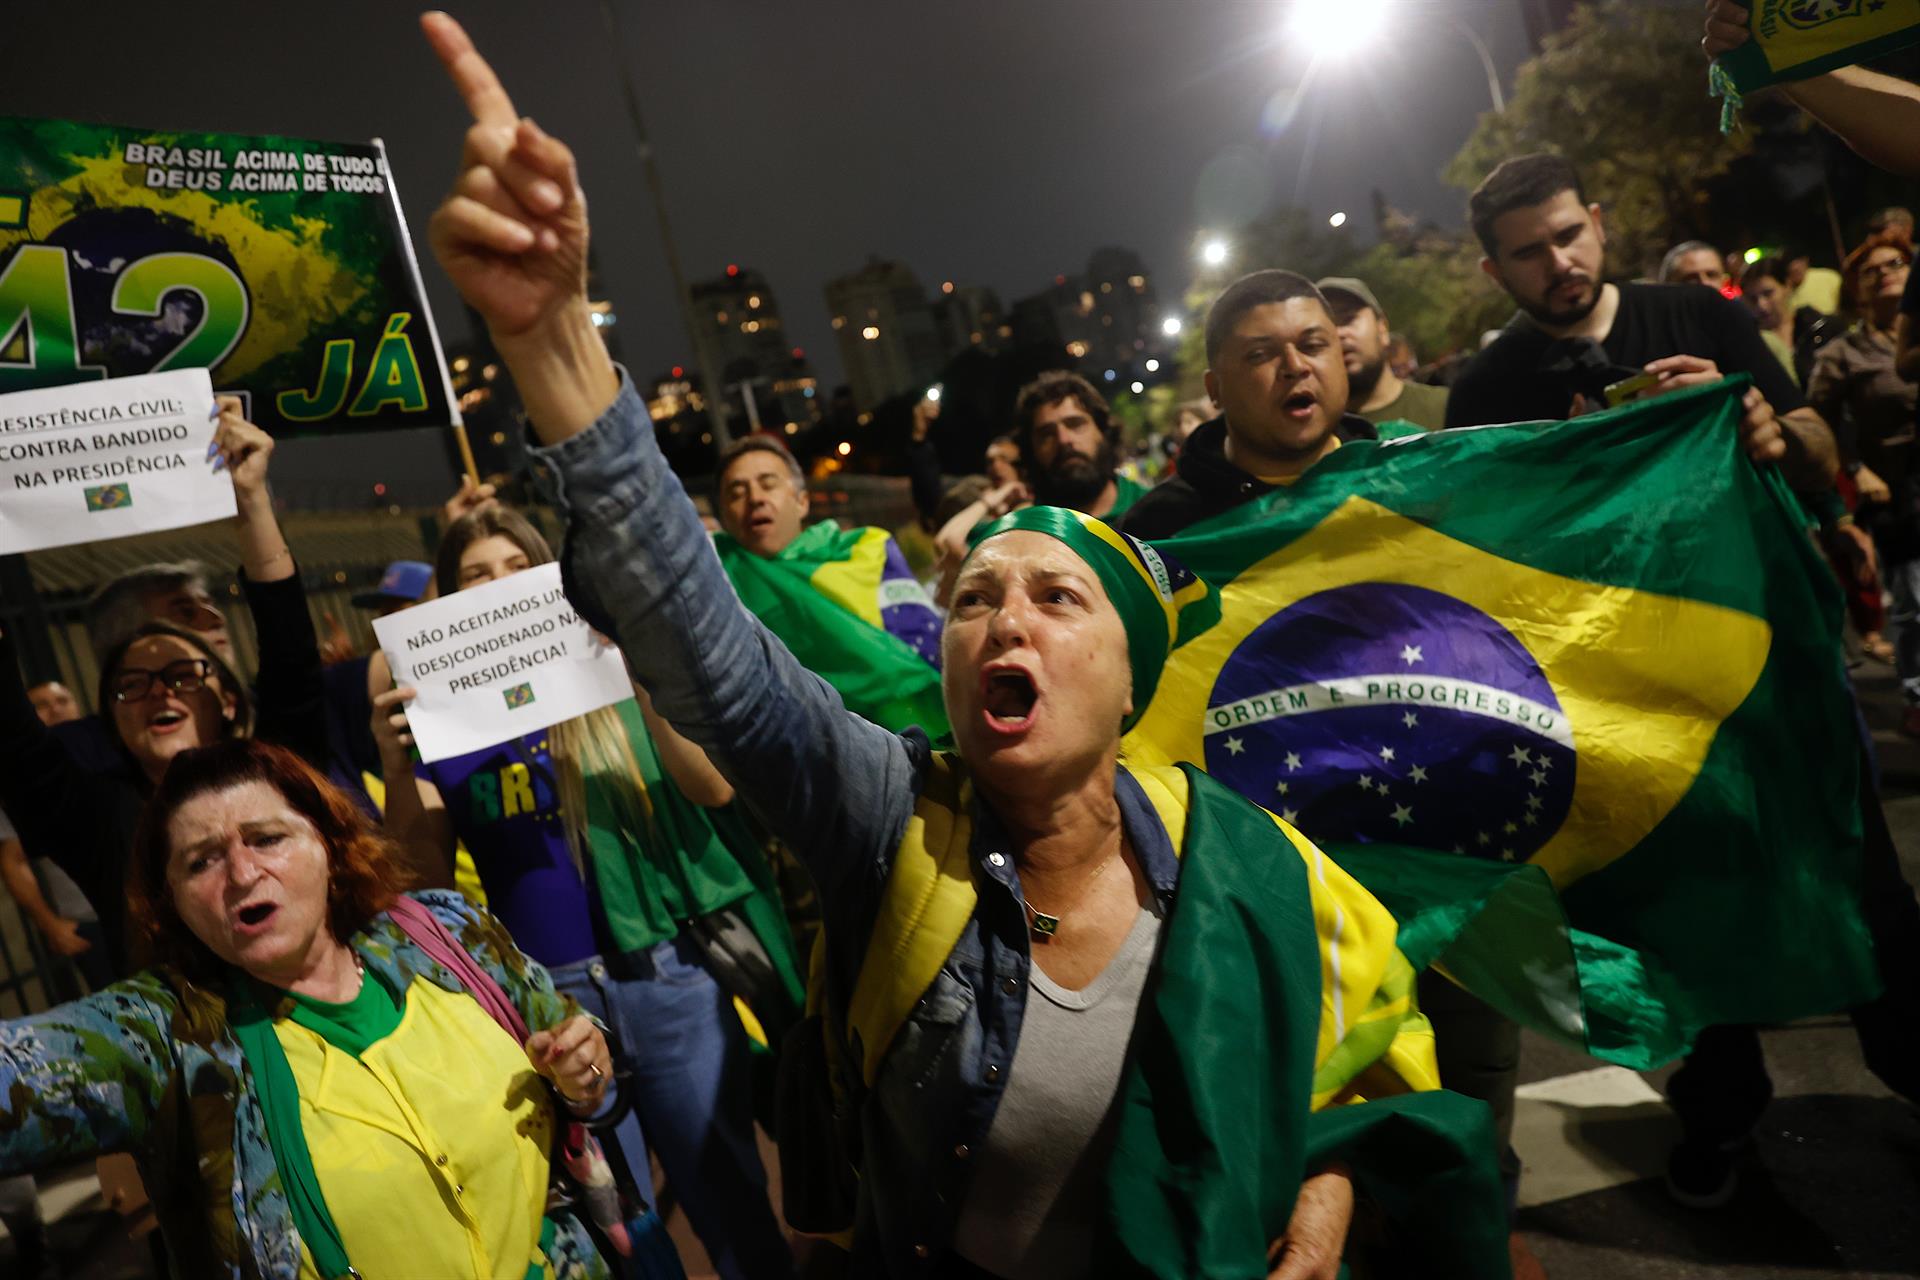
(1856,387)
(164,689)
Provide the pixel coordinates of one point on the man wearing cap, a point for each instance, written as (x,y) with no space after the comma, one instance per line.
(404,583)
(1374,390)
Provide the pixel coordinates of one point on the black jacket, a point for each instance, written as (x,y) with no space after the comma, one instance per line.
(1207,484)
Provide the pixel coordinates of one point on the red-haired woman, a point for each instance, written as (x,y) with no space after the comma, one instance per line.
(306,1083)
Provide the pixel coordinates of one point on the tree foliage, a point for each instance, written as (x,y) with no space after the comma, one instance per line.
(1621,92)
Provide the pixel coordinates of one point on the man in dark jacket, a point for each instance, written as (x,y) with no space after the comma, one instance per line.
(1276,373)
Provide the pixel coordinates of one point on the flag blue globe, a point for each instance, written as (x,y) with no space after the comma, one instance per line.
(1384,712)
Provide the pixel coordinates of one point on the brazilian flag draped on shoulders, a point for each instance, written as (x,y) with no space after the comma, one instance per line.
(1567,698)
(848,607)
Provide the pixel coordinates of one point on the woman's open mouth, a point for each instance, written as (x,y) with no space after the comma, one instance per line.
(254,917)
(1008,696)
(166,721)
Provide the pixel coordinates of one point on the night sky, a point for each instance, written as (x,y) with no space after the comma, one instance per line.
(996,143)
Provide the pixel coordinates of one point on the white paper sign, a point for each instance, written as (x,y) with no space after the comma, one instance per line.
(496,661)
(106,459)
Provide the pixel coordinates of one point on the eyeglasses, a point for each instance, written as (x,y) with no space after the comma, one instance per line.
(189,675)
(1880,269)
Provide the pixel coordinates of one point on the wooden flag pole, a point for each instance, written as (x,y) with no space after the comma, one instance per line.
(466,450)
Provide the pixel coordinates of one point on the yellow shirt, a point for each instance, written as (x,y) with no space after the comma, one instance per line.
(431,1147)
(1819,290)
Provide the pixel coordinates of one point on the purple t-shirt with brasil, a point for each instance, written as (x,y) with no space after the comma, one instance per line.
(502,803)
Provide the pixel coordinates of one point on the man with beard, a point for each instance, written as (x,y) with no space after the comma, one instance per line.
(1576,335)
(1276,374)
(1374,391)
(1071,445)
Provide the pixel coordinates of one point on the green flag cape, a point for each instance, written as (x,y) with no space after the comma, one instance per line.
(828,597)
(1604,648)
(1215,1131)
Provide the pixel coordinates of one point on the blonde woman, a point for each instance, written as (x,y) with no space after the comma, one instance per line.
(604,844)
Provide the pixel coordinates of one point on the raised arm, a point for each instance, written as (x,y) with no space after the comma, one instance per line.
(684,761)
(290,694)
(639,566)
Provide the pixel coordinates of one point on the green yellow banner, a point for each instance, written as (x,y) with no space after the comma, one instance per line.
(1795,39)
(281,265)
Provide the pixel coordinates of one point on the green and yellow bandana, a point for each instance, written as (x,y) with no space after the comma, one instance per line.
(1149,589)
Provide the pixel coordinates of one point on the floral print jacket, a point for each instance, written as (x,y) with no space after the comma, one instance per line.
(150,1066)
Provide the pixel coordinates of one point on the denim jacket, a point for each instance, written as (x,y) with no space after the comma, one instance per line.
(149,1065)
(639,566)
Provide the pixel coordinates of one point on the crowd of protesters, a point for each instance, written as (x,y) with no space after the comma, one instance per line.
(353,1013)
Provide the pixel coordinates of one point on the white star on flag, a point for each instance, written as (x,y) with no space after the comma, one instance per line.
(1545,763)
(1235,746)
(1293,760)
(1281,787)
(1410,720)
(1411,654)
(1419,773)
(1386,753)
(1289,815)
(1539,778)
(1366,783)
(1402,814)
(1533,802)
(1520,755)
(1510,828)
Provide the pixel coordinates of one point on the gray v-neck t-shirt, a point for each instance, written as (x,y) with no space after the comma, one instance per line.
(1034,1202)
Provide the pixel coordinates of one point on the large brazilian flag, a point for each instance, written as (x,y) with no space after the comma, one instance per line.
(846,604)
(1602,649)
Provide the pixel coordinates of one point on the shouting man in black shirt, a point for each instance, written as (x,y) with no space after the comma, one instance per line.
(1276,373)
(1576,335)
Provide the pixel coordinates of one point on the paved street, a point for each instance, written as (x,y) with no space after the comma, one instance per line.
(1832,1189)
(1833,1186)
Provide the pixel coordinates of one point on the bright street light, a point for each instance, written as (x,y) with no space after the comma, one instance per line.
(1337,220)
(1336,31)
(1137,387)
(1171,326)
(1153,366)
(1215,253)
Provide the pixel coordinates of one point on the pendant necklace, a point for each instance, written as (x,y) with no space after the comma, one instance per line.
(1044,926)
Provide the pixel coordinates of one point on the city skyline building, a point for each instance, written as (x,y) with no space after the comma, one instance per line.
(889,340)
(739,332)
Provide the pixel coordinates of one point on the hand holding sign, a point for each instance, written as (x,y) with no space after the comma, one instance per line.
(107,459)
(242,449)
(488,664)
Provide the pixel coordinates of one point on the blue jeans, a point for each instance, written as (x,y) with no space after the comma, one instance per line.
(692,1100)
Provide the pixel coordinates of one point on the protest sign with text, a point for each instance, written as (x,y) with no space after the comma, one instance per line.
(108,459)
(496,661)
(281,265)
